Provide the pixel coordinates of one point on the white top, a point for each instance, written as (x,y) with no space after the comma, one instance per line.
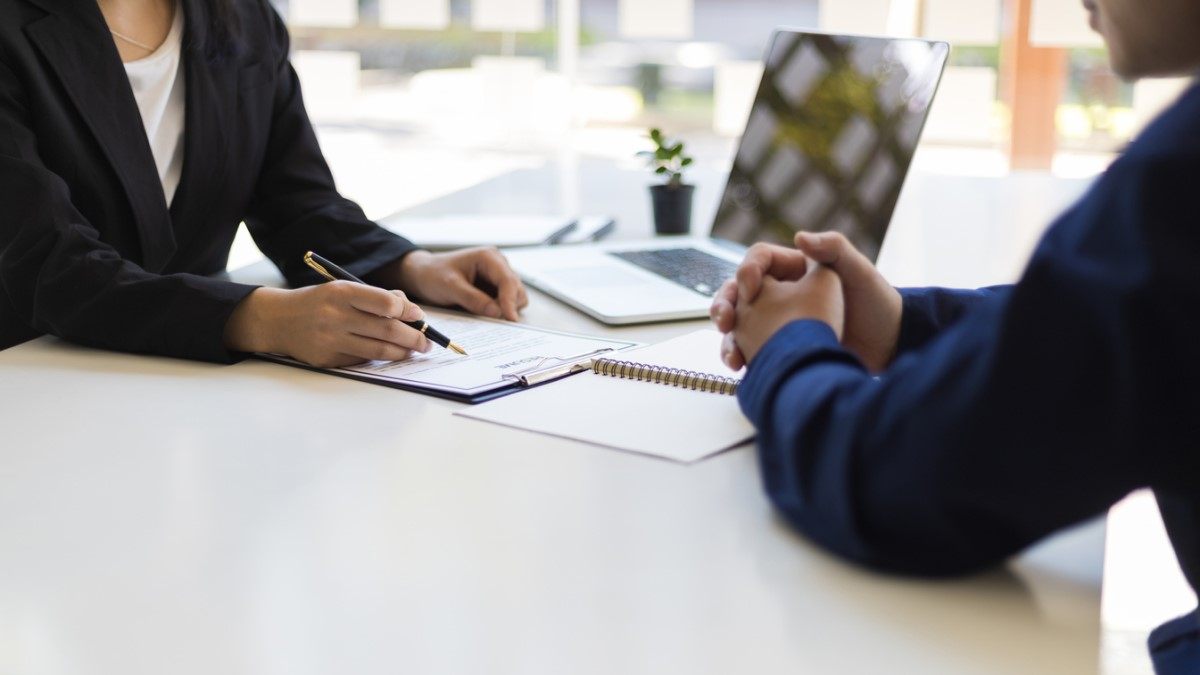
(158,86)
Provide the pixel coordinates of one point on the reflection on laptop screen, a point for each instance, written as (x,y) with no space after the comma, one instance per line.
(830,137)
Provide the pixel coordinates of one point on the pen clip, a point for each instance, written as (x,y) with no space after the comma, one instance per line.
(320,269)
(565,365)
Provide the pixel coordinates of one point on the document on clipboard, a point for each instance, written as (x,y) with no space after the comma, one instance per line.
(504,357)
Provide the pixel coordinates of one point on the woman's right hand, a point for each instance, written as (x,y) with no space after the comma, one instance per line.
(334,324)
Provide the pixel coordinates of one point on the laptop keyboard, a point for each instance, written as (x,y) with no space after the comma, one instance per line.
(692,268)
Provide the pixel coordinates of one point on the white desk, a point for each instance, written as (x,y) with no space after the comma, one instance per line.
(162,516)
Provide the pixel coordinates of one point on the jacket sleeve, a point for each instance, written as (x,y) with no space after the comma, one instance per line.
(296,206)
(929,311)
(57,275)
(1175,646)
(1038,408)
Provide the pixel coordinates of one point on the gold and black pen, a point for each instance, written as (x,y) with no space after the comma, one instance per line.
(334,273)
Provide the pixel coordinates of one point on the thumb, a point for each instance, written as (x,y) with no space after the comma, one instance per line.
(834,251)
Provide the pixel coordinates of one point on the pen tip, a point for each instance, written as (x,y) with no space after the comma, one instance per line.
(457,349)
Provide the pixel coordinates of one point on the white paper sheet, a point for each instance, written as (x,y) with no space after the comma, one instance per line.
(653,419)
(496,351)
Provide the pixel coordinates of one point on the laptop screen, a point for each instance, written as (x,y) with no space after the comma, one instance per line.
(830,137)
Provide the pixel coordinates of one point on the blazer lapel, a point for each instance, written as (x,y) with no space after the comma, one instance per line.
(75,42)
(209,89)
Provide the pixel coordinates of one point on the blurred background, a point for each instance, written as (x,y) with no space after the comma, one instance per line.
(417,99)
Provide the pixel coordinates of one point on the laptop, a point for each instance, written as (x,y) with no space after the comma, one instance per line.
(827,146)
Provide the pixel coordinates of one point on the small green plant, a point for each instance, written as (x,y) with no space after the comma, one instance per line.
(667,158)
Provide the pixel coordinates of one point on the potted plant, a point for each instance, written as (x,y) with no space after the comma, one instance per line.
(672,200)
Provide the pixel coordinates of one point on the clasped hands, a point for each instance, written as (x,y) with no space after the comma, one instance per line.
(341,323)
(823,278)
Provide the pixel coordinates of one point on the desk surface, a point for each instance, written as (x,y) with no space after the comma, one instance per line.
(167,516)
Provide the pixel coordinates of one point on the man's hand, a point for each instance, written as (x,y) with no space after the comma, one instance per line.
(872,307)
(762,261)
(817,295)
(476,279)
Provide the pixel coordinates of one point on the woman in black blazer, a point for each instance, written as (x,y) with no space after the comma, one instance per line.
(96,249)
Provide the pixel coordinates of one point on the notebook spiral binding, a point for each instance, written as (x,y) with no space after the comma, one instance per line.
(677,377)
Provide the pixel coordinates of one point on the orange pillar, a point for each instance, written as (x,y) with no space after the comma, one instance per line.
(1032,80)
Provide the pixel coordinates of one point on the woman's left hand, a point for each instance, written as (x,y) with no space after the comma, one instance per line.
(477,279)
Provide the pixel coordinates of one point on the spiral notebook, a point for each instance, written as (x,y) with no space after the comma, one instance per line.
(674,377)
(672,400)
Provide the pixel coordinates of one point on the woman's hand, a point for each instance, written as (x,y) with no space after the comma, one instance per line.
(335,324)
(476,279)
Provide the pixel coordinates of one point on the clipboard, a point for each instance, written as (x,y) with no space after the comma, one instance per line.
(505,358)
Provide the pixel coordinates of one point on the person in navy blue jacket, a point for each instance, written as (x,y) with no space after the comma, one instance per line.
(936,432)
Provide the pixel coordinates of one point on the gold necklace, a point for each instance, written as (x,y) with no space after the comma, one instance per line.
(131,41)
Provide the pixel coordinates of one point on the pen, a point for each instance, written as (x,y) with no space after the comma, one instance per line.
(333,273)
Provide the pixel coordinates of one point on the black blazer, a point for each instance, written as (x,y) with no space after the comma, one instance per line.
(89,250)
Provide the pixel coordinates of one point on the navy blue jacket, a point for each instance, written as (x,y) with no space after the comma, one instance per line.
(1012,412)
(89,249)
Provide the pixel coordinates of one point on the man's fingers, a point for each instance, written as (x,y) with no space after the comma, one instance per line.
(730,354)
(833,250)
(767,260)
(824,277)
(782,263)
(722,309)
(824,247)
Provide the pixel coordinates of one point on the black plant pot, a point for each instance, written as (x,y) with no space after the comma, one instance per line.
(672,208)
